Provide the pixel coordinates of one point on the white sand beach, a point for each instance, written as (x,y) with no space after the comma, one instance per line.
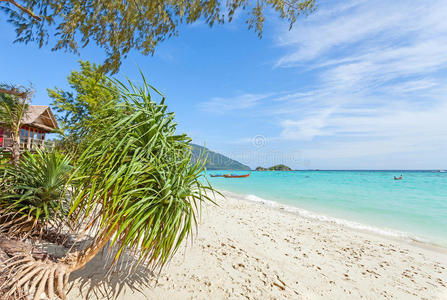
(247,250)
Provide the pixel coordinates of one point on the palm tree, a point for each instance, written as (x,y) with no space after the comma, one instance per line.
(13,107)
(136,188)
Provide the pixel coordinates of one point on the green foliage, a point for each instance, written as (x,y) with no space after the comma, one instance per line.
(216,161)
(132,183)
(5,156)
(33,191)
(120,26)
(136,183)
(13,106)
(279,167)
(91,90)
(12,110)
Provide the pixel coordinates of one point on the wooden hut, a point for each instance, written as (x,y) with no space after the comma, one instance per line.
(36,124)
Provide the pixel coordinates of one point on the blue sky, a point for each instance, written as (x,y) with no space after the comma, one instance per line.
(357,85)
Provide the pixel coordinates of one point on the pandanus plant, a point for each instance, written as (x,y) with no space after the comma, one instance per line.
(136,190)
(32,197)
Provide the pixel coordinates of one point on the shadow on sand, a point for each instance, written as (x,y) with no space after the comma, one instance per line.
(97,281)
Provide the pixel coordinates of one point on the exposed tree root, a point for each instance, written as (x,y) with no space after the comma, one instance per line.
(26,273)
(34,277)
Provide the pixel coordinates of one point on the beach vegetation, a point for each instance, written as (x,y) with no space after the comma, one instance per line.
(34,192)
(14,102)
(77,107)
(133,189)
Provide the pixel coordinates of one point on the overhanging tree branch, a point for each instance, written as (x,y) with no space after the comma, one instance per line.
(24,9)
(119,27)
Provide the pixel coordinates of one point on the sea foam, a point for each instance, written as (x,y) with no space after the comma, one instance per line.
(323,218)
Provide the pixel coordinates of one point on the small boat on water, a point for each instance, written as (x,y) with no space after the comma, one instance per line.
(398,178)
(236,176)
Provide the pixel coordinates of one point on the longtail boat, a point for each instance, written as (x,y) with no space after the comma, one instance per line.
(237,176)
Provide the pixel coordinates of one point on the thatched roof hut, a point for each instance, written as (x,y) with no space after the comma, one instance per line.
(37,122)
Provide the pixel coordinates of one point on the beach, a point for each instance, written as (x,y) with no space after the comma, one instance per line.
(248,250)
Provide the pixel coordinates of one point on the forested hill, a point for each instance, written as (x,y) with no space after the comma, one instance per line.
(275,168)
(217,161)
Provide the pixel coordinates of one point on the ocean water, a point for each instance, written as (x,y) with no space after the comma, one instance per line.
(413,208)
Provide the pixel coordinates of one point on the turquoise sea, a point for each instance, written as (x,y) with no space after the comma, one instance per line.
(414,208)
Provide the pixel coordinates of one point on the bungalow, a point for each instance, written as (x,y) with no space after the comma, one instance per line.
(37,122)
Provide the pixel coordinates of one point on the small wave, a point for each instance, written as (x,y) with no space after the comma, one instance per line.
(350,224)
(254,198)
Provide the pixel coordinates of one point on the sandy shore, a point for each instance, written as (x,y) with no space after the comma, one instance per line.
(246,250)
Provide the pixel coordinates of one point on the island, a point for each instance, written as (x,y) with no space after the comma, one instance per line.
(279,167)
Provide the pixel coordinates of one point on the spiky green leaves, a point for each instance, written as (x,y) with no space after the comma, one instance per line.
(34,191)
(136,184)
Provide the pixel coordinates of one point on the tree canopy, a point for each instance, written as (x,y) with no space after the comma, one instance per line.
(91,91)
(120,26)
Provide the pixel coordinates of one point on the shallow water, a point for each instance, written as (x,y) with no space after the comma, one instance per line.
(415,207)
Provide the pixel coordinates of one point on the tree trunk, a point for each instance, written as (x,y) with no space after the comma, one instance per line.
(15,157)
(12,247)
(89,253)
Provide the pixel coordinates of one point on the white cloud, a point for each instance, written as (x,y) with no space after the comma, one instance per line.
(381,69)
(411,86)
(377,87)
(308,127)
(241,102)
(375,24)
